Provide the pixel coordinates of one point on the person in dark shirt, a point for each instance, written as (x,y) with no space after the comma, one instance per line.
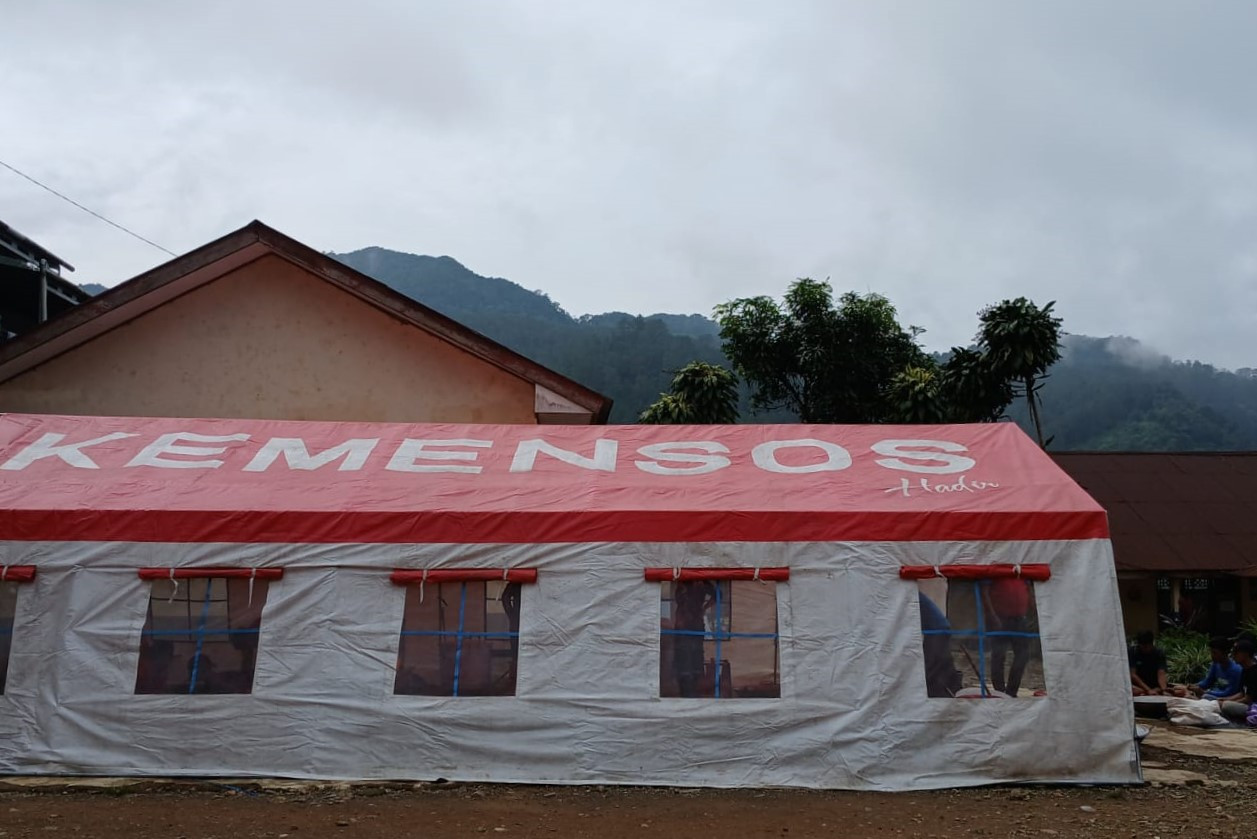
(690,602)
(1236,706)
(1148,675)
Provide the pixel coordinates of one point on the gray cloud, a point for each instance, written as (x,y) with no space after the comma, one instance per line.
(668,156)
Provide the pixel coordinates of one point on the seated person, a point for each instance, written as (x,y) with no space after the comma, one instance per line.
(1148,676)
(1223,678)
(1236,705)
(941,676)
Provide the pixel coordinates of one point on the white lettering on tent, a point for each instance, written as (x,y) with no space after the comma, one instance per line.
(71,453)
(906,488)
(355,453)
(661,453)
(169,444)
(896,450)
(765,456)
(411,450)
(527,450)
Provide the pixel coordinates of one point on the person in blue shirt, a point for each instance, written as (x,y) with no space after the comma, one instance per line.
(1224,675)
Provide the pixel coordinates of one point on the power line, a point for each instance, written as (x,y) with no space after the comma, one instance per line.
(19,172)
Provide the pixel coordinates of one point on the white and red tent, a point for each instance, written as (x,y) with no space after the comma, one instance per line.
(510,603)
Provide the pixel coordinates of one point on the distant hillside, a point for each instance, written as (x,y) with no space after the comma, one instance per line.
(1114,394)
(627,357)
(1105,394)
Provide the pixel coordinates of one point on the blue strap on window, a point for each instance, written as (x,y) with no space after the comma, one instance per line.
(200,635)
(458,649)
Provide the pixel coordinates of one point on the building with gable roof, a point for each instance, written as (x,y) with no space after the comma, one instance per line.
(1184,530)
(258,325)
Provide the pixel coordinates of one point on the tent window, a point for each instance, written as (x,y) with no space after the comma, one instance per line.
(980,637)
(10,578)
(459,638)
(718,637)
(201,635)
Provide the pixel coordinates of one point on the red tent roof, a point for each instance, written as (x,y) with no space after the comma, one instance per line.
(68,478)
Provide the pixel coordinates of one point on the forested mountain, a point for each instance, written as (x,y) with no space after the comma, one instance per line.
(627,357)
(1114,394)
(1105,393)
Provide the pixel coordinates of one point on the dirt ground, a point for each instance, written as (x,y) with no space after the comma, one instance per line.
(1191,794)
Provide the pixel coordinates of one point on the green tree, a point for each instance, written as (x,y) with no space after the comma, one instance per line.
(914,395)
(828,362)
(850,361)
(1021,341)
(971,388)
(701,394)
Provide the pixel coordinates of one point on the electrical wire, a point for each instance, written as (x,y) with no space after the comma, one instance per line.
(19,172)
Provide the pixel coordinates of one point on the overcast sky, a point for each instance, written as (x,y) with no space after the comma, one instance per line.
(667,156)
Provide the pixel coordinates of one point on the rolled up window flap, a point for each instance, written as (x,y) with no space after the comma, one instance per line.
(200,573)
(1037,572)
(411,576)
(667,575)
(17,573)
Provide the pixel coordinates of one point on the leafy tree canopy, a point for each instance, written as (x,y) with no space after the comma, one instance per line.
(701,394)
(850,361)
(826,361)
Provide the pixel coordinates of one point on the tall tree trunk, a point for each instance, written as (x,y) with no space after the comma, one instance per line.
(1034,410)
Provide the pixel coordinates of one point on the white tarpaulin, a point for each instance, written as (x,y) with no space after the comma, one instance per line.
(589,662)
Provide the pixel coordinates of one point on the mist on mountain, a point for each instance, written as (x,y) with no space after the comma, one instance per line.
(1106,394)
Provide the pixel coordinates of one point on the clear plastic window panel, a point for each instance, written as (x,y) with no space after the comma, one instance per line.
(8,606)
(718,640)
(980,638)
(201,636)
(459,639)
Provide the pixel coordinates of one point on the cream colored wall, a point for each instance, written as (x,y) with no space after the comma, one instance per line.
(272,341)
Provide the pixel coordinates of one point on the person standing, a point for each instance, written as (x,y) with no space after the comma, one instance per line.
(690,602)
(1007,602)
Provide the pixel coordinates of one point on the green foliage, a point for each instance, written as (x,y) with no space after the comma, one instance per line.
(1020,342)
(914,395)
(1186,654)
(825,361)
(976,391)
(852,361)
(701,394)
(1250,626)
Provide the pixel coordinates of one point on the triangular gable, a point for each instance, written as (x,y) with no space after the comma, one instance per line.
(146,292)
(136,479)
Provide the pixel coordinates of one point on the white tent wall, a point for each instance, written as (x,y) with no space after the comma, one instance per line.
(853,711)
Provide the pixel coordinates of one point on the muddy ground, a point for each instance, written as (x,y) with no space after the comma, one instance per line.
(1196,795)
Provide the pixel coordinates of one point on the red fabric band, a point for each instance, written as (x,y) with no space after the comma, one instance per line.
(198,573)
(663,575)
(409,576)
(1037,572)
(17,573)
